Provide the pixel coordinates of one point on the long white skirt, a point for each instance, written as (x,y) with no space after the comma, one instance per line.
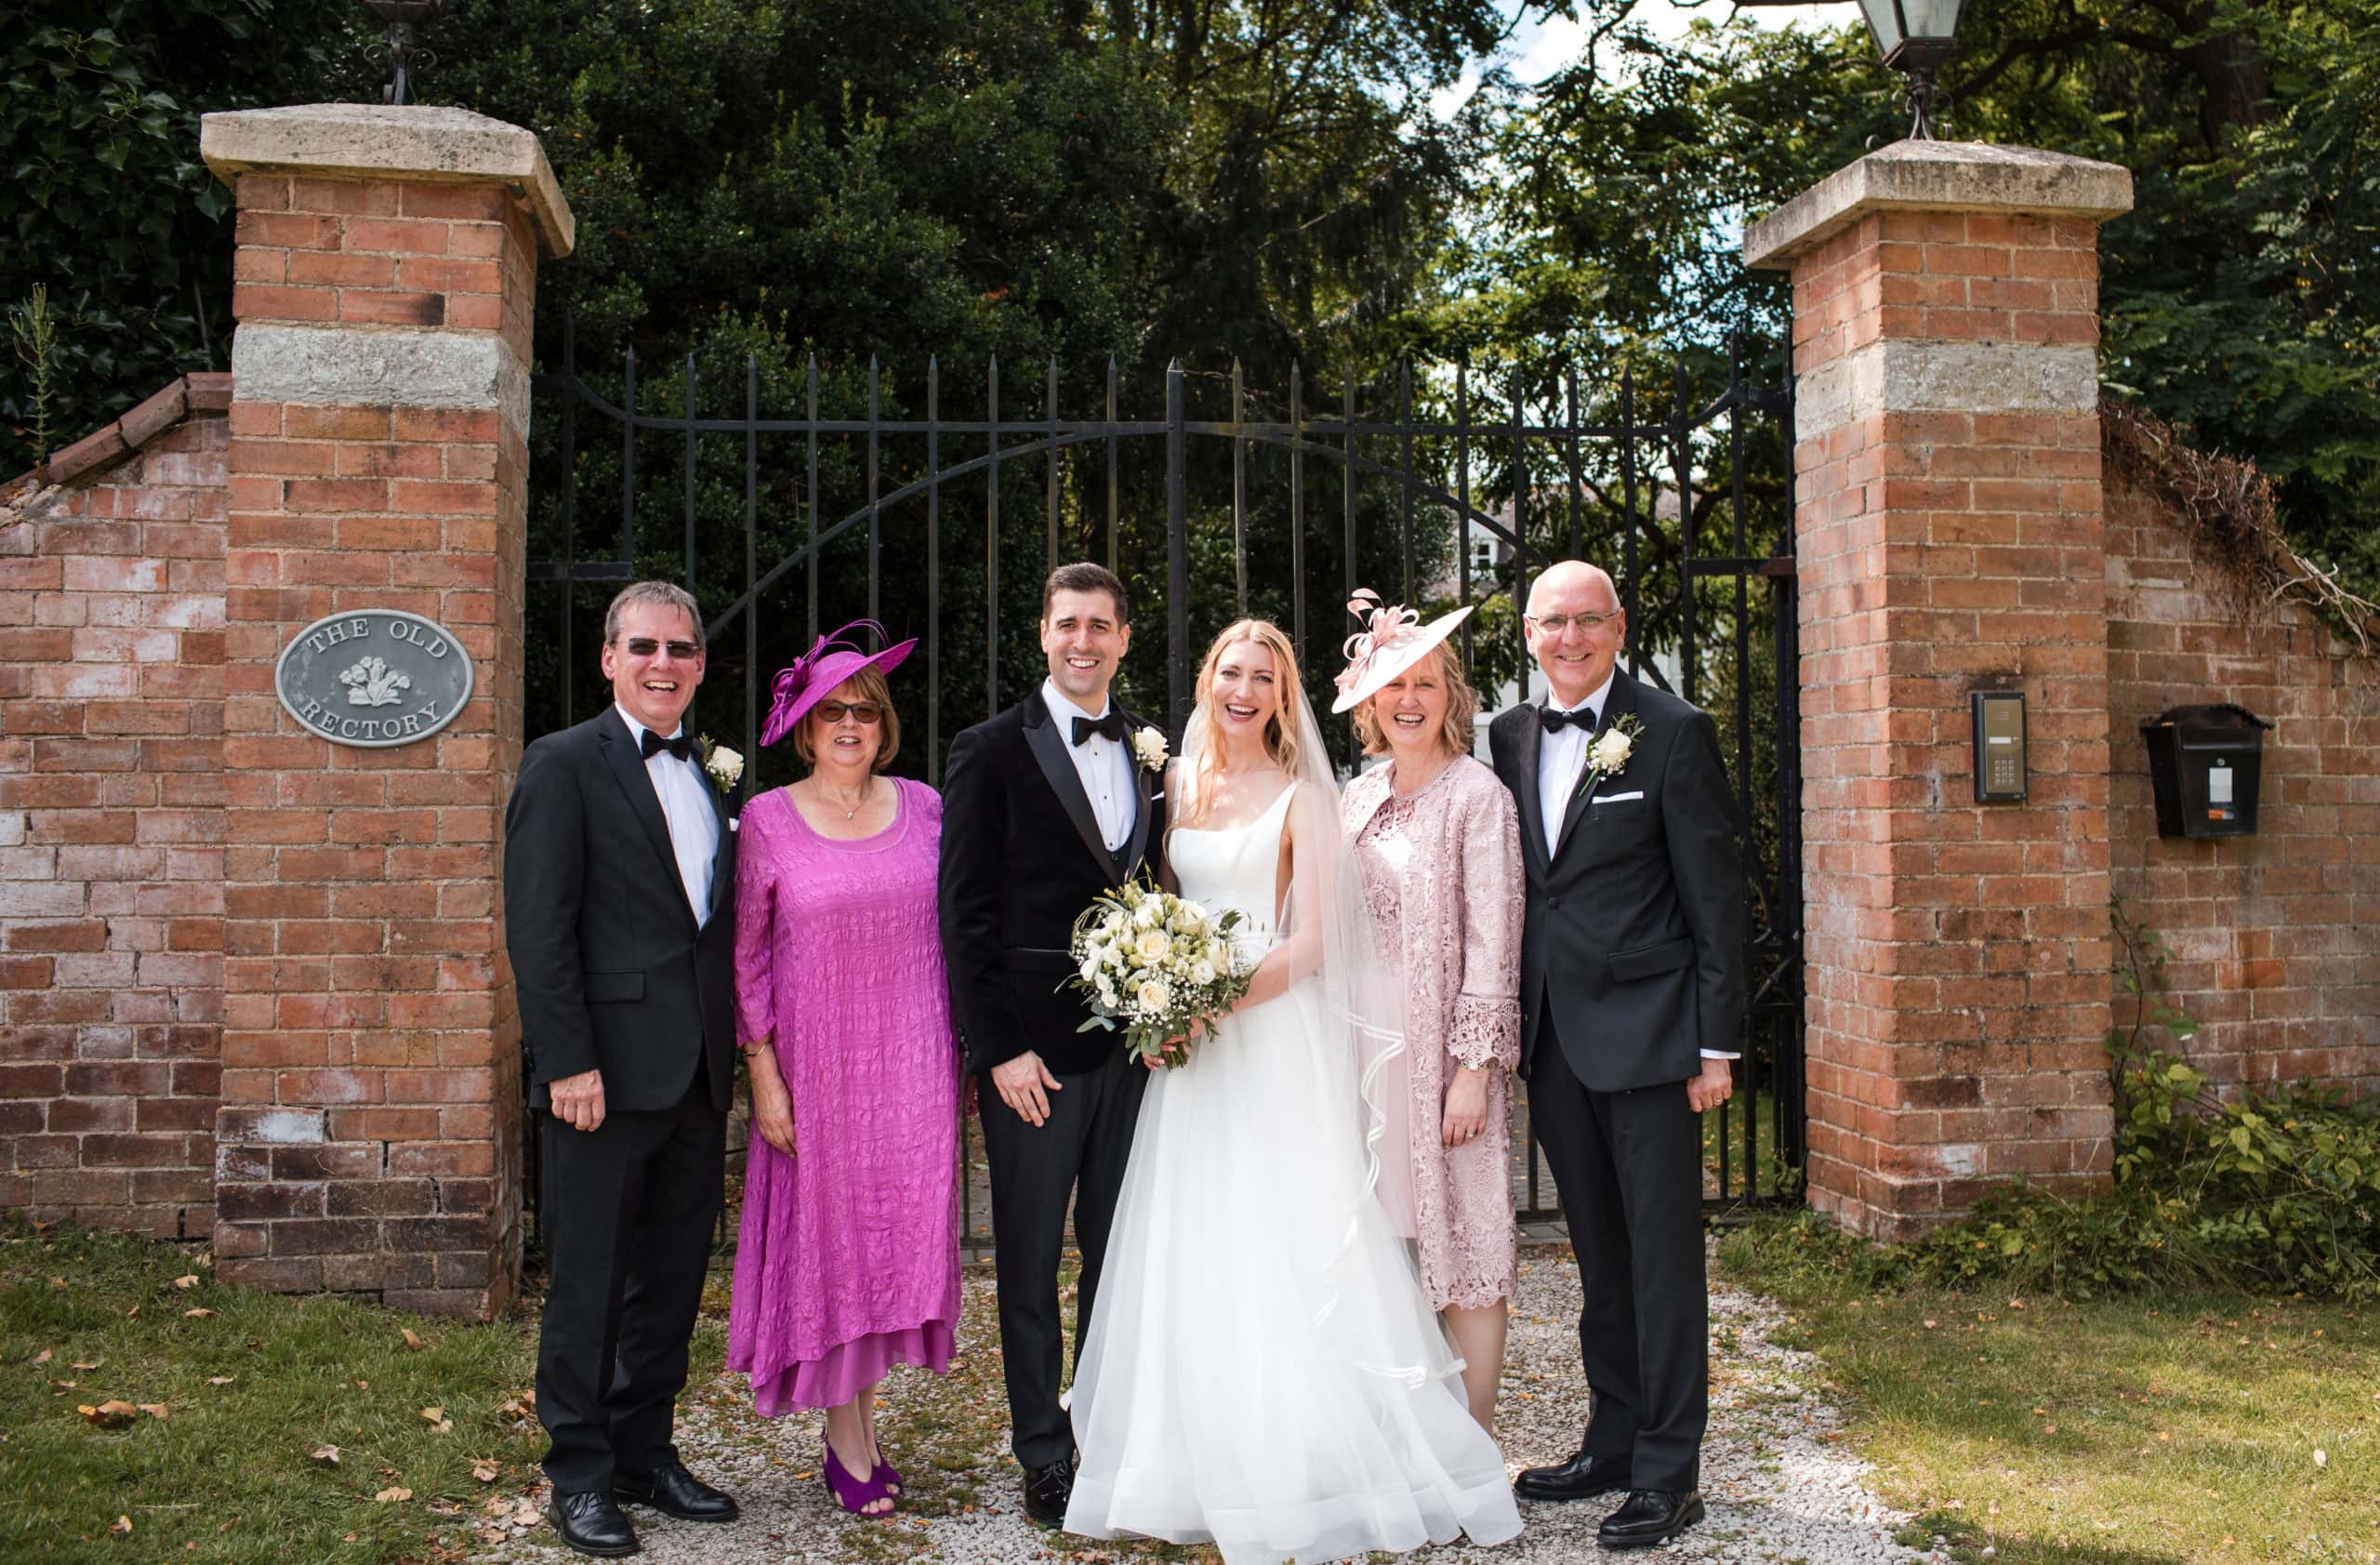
(1264,1371)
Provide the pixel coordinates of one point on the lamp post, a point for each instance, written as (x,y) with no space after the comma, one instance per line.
(402,17)
(1915,37)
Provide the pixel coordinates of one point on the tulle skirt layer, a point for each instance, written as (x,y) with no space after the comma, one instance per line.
(1264,1371)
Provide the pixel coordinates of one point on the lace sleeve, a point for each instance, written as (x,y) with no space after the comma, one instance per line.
(1486,1022)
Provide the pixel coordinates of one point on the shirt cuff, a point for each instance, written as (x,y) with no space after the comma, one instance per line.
(1715,1055)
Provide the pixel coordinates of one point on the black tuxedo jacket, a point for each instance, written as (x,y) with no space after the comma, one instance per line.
(1020,859)
(1634,929)
(611,971)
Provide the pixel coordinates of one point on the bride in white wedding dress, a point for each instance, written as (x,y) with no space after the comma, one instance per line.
(1264,1371)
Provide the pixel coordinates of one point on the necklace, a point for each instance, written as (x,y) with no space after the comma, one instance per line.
(866,787)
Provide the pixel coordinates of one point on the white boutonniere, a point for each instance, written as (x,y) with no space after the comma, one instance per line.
(1149,748)
(1607,757)
(726,767)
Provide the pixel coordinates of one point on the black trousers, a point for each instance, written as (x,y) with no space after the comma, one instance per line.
(1080,1151)
(628,1209)
(1628,1167)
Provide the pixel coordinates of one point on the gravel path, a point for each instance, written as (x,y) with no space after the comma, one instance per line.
(1779,1490)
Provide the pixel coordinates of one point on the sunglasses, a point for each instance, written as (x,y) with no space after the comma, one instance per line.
(645,646)
(832,712)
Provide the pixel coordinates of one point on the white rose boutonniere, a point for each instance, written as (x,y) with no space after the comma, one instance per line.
(1149,748)
(1607,757)
(726,767)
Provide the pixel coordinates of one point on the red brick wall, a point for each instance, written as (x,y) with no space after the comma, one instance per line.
(371,1126)
(2276,936)
(111,837)
(1957,953)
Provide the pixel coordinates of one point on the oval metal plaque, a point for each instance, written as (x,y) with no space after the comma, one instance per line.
(374,677)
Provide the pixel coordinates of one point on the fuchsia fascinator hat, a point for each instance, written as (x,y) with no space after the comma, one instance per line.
(811,677)
(1393,639)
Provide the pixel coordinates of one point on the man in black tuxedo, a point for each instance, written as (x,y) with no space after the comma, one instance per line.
(1632,1004)
(619,869)
(1043,807)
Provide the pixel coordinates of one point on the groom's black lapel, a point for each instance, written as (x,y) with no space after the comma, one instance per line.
(627,769)
(1049,748)
(1622,701)
(1143,802)
(722,876)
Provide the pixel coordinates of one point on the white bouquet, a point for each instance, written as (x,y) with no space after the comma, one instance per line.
(1156,965)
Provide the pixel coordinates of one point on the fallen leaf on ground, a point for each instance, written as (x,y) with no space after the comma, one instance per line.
(436,1418)
(92,1365)
(154,1409)
(221,1379)
(2321,1459)
(484,1471)
(414,1341)
(196,1314)
(189,1281)
(393,1493)
(109,1415)
(121,1526)
(43,1356)
(327,1454)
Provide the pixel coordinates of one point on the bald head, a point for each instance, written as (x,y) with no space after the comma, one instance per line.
(1575,629)
(1568,579)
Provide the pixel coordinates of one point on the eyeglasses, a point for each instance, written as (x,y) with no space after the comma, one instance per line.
(832,712)
(645,646)
(1555,624)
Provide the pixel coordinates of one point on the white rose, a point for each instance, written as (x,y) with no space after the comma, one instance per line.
(1610,752)
(1149,748)
(1106,992)
(1202,972)
(1118,960)
(1090,969)
(1218,954)
(1149,915)
(1154,996)
(1153,945)
(725,764)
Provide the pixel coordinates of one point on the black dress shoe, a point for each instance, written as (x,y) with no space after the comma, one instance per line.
(672,1491)
(1650,1516)
(1047,1493)
(1580,1478)
(590,1522)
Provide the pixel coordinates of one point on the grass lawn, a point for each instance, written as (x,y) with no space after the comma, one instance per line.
(249,1385)
(2143,1431)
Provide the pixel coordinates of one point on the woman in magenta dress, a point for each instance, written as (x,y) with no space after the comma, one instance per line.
(847,1261)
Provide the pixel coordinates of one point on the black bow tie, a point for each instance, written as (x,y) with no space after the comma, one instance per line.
(1112,725)
(682,747)
(1558,720)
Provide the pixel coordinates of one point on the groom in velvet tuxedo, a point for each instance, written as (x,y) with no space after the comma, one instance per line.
(1043,807)
(1632,1004)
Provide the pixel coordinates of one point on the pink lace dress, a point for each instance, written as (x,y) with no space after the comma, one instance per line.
(847,1259)
(1442,883)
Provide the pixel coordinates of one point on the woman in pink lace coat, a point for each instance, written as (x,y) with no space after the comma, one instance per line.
(1437,841)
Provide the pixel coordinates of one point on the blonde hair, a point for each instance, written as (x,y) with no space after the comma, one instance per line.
(1456,734)
(1203,743)
(868,685)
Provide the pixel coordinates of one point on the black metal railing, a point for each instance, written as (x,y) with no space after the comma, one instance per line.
(1690,502)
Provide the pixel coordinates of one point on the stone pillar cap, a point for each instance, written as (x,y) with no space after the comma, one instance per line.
(1939,176)
(412,141)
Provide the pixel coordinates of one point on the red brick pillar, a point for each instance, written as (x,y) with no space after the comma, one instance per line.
(1948,534)
(369,1138)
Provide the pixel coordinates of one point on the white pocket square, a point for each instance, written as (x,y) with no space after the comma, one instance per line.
(1616,798)
(735,823)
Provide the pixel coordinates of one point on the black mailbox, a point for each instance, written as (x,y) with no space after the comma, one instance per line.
(2205,762)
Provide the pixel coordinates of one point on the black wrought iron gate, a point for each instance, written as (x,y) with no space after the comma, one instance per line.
(1280,502)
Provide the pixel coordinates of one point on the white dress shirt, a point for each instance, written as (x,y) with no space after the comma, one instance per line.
(685,806)
(1104,765)
(1561,759)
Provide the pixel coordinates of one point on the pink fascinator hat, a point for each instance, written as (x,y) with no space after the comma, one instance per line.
(811,677)
(1393,639)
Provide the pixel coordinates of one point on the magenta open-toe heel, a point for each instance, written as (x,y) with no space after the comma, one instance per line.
(850,1492)
(886,1474)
